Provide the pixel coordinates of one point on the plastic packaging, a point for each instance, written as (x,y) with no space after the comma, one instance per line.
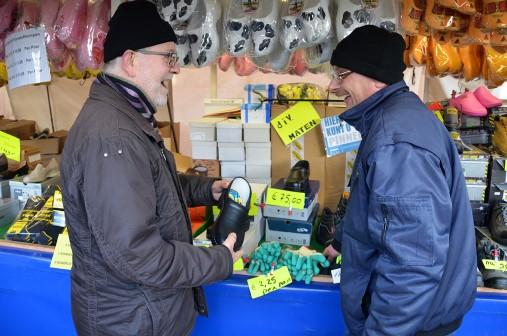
(418,49)
(471,56)
(90,54)
(498,37)
(54,47)
(466,7)
(411,15)
(8,9)
(183,48)
(351,15)
(264,28)
(445,57)
(476,30)
(28,15)
(496,59)
(299,91)
(71,22)
(297,63)
(316,21)
(238,37)
(244,66)
(203,33)
(442,18)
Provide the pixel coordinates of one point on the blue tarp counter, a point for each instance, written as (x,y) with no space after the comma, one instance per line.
(35,300)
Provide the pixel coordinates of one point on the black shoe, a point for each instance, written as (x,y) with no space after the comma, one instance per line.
(327,228)
(298,177)
(10,174)
(498,223)
(488,250)
(4,164)
(233,217)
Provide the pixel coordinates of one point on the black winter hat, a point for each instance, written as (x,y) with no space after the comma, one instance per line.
(136,25)
(373,52)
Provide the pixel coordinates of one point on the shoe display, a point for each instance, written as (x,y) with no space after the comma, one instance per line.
(327,228)
(264,28)
(298,177)
(168,10)
(203,34)
(185,9)
(40,173)
(183,48)
(316,21)
(485,97)
(499,138)
(498,223)
(468,104)
(10,174)
(233,217)
(488,250)
(349,16)
(292,35)
(237,30)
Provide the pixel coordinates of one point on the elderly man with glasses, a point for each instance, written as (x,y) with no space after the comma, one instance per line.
(135,270)
(407,238)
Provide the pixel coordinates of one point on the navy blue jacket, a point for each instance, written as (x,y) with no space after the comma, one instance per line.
(408,243)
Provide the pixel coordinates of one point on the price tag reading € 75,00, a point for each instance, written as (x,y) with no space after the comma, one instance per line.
(285,198)
(495,265)
(265,284)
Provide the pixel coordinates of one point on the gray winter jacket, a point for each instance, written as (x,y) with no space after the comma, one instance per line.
(135,271)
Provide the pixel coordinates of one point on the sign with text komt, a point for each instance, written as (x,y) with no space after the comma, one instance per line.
(339,137)
(26,58)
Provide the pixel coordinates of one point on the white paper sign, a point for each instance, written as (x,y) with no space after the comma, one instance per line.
(26,58)
(336,274)
(339,137)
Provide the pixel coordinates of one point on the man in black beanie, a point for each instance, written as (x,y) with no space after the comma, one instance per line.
(407,238)
(135,270)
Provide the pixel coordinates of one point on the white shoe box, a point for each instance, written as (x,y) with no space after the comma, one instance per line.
(204,150)
(266,181)
(203,129)
(231,169)
(231,151)
(258,169)
(256,132)
(230,130)
(258,151)
(256,113)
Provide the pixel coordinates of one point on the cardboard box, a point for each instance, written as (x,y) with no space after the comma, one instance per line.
(213,166)
(45,146)
(22,129)
(22,191)
(329,171)
(166,134)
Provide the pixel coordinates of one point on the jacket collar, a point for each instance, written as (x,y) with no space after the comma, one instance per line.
(362,115)
(107,94)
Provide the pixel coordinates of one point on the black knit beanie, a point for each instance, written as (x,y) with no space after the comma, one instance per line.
(373,52)
(136,25)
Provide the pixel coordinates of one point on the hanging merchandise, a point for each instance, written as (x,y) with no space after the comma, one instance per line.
(28,15)
(237,31)
(55,48)
(445,57)
(264,28)
(71,22)
(351,15)
(411,15)
(466,7)
(499,37)
(203,33)
(90,54)
(316,21)
(496,61)
(494,14)
(471,56)
(8,10)
(442,18)
(418,49)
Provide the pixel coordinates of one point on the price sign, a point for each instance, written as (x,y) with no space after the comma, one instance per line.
(285,198)
(495,265)
(62,257)
(265,284)
(10,146)
(295,122)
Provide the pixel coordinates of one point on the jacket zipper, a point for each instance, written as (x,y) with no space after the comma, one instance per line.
(385,215)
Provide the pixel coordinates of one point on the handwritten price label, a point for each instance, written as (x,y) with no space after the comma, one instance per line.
(495,265)
(284,198)
(265,284)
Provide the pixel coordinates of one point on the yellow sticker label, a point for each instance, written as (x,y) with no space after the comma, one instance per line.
(285,198)
(62,257)
(296,121)
(495,265)
(58,200)
(265,284)
(254,207)
(238,265)
(10,146)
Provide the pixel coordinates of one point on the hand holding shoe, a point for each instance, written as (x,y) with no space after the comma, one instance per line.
(218,188)
(229,243)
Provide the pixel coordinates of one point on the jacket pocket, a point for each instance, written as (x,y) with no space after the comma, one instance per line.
(407,230)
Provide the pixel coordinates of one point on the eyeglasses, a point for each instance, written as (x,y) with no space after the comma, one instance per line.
(340,76)
(170,57)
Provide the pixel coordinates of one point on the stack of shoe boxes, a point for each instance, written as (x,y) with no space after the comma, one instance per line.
(203,136)
(231,149)
(475,164)
(256,117)
(498,182)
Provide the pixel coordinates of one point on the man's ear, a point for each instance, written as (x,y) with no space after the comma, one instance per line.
(127,63)
(379,85)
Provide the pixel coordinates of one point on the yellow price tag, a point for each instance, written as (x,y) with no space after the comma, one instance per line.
(285,198)
(238,265)
(10,146)
(62,257)
(58,200)
(265,284)
(296,121)
(495,265)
